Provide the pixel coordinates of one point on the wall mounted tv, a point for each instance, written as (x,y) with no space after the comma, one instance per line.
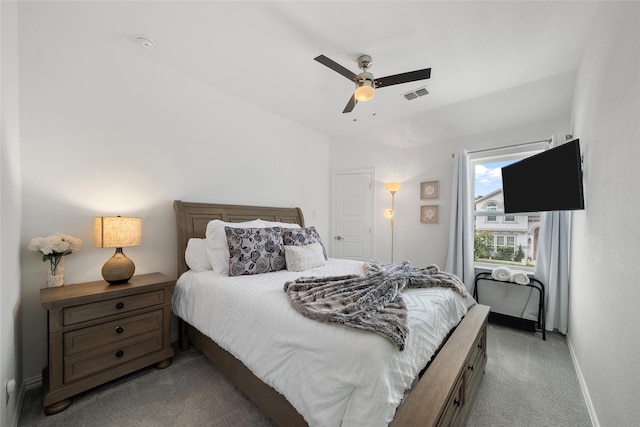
(549,181)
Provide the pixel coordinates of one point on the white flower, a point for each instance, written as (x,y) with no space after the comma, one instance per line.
(53,248)
(59,244)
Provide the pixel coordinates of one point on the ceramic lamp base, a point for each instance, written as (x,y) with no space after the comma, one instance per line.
(118,268)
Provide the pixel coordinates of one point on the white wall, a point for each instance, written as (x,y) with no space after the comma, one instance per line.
(419,243)
(10,325)
(107,132)
(604,314)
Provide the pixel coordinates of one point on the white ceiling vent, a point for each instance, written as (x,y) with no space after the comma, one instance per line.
(416,93)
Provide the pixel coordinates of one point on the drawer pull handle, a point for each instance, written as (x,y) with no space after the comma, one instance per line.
(119,329)
(456,402)
(119,353)
(471,367)
(120,305)
(479,345)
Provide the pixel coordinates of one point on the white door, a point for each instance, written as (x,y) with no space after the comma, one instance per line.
(352,216)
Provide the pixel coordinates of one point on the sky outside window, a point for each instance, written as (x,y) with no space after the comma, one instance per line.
(489,177)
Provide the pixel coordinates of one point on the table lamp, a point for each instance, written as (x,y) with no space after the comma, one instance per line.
(117,232)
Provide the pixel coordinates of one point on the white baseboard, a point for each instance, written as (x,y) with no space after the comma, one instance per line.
(14,416)
(583,385)
(28,384)
(33,382)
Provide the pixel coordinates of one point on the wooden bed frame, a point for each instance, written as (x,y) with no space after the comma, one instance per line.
(442,397)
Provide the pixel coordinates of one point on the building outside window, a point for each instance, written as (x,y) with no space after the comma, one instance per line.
(501,239)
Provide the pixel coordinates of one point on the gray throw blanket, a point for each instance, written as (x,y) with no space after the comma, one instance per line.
(372,302)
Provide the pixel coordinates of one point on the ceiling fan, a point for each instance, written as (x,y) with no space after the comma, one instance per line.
(365,83)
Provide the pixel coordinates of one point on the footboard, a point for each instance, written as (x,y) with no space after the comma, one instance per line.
(444,395)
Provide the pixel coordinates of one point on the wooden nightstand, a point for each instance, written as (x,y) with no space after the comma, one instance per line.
(99,332)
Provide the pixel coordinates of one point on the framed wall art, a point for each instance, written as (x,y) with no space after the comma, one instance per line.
(429,214)
(429,190)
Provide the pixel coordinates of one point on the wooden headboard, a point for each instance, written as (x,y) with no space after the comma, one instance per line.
(192,220)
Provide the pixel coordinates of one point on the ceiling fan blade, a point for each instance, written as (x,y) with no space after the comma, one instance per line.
(350,105)
(336,67)
(397,79)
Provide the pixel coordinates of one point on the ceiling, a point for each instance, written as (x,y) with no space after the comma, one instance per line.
(495,64)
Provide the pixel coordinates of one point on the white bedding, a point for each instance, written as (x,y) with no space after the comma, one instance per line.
(332,375)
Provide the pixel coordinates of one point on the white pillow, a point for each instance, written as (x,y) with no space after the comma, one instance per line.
(196,255)
(300,258)
(280,224)
(217,246)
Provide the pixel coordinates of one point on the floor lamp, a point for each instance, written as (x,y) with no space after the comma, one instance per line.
(390,213)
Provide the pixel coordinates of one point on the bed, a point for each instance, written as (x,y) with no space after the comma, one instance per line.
(441,396)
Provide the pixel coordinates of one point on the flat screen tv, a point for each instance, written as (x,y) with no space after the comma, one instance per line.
(549,181)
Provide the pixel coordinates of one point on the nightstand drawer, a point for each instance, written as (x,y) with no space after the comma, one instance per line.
(90,362)
(97,310)
(99,335)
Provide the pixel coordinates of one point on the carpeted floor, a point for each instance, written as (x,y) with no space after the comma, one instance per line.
(528,382)
(190,392)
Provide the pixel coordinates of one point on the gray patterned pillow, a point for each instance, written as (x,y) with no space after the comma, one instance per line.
(255,250)
(302,237)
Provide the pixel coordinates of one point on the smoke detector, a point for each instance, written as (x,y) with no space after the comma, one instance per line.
(145,42)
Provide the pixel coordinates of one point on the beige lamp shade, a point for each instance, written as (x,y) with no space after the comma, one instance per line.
(117,232)
(393,186)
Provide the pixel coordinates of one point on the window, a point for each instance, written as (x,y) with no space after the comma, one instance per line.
(506,242)
(499,238)
(491,207)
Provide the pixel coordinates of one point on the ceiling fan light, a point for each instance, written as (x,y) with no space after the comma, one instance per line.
(364,89)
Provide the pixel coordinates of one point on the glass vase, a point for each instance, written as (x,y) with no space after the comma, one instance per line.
(55,274)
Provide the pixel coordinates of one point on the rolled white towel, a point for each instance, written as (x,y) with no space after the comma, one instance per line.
(520,277)
(501,273)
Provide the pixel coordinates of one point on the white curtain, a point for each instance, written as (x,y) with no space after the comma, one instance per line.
(552,265)
(460,254)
